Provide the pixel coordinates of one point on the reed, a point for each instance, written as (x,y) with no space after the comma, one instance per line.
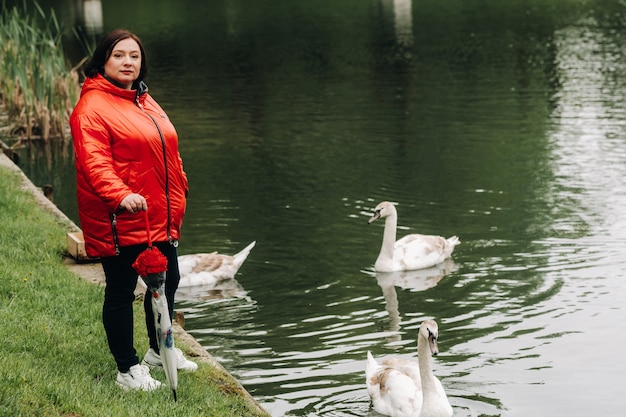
(38,87)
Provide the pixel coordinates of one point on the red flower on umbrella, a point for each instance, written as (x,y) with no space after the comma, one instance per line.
(150,261)
(151,264)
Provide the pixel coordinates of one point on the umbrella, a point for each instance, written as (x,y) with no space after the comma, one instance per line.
(151,265)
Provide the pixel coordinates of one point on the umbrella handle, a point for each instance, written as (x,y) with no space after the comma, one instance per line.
(145,216)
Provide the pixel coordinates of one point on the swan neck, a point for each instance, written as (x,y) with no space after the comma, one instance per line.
(426,363)
(389,236)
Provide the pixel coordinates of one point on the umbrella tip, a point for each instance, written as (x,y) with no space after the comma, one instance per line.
(175,397)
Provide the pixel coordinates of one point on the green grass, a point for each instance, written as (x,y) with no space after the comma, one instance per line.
(54,360)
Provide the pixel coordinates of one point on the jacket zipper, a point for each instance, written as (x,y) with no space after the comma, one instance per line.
(114,230)
(167,175)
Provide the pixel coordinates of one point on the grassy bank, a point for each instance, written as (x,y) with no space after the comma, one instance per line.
(54,360)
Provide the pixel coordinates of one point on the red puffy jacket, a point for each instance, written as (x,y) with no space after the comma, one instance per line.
(124,143)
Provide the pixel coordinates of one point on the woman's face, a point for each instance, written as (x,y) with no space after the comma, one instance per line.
(124,64)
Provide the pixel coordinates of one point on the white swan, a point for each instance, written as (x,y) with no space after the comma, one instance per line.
(403,388)
(411,252)
(208,269)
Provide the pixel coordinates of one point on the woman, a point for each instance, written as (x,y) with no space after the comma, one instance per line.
(127,161)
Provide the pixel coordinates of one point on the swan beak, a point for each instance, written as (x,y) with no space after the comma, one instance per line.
(375,217)
(434,349)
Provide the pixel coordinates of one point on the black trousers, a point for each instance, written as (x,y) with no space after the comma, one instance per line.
(117,310)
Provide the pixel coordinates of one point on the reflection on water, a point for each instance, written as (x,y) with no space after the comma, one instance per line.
(92,18)
(403,21)
(418,280)
(223,290)
(502,122)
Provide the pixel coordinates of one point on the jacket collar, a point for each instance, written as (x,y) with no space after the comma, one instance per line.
(102,84)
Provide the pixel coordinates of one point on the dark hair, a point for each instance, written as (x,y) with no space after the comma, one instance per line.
(104,49)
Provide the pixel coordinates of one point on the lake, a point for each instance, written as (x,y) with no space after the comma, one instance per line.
(501,122)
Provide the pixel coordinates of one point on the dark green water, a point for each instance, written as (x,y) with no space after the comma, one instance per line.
(501,122)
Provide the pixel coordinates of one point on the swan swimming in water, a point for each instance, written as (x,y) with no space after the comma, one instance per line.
(208,271)
(413,251)
(210,268)
(402,388)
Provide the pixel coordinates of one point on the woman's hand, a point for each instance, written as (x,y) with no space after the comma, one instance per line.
(134,203)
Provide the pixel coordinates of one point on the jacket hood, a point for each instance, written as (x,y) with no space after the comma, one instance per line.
(100,83)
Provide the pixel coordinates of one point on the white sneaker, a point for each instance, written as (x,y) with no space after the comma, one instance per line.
(138,378)
(153,359)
